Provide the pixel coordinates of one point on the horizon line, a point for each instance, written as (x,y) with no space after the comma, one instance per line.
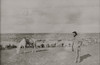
(45,33)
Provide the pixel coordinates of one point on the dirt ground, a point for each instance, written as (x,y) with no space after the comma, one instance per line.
(51,56)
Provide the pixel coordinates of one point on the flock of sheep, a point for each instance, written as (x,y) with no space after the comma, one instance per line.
(43,43)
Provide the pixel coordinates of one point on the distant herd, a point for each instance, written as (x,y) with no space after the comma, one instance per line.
(31,43)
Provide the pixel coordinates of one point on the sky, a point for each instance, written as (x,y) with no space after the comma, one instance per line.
(50,16)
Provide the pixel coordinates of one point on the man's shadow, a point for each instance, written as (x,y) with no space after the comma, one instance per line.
(84,57)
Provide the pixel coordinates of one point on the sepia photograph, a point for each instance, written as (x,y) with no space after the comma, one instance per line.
(50,32)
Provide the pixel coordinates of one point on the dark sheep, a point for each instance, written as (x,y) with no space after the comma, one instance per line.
(14,46)
(42,45)
(9,46)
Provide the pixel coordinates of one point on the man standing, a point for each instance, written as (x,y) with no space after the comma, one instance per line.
(74,35)
(77,43)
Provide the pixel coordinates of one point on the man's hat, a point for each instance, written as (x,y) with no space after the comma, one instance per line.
(75,33)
